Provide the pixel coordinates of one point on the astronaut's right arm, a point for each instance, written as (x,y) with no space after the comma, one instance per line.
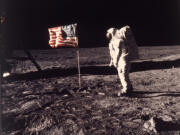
(111,48)
(118,51)
(116,56)
(111,54)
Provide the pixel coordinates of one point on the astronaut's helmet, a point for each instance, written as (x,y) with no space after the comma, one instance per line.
(120,33)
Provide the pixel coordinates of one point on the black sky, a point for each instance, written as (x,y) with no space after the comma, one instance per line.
(154,22)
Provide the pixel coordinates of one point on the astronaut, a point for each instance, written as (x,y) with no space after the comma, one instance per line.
(119,52)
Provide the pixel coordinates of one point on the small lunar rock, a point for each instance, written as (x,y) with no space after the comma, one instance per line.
(26,92)
(84,91)
(166,118)
(48,87)
(29,104)
(47,108)
(96,117)
(130,124)
(11,84)
(100,93)
(6,74)
(137,120)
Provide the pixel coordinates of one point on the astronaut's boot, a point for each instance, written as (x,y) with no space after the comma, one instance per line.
(122,93)
(125,92)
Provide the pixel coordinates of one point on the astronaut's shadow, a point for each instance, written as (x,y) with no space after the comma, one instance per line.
(135,67)
(154,94)
(150,65)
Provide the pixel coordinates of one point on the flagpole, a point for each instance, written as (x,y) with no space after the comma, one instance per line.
(79,71)
(78,60)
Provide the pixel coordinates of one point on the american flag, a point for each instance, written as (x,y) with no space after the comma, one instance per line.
(63,36)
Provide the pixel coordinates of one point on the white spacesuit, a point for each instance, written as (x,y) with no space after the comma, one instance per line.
(119,52)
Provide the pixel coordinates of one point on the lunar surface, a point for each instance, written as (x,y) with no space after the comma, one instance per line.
(50,102)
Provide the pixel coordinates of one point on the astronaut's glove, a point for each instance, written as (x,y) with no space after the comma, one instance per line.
(115,64)
(111,64)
